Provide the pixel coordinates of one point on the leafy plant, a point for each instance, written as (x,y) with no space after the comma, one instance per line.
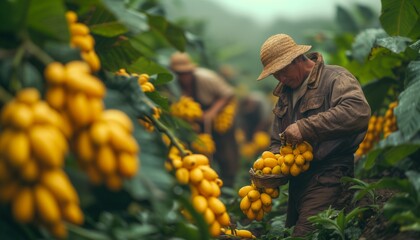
(403,208)
(332,224)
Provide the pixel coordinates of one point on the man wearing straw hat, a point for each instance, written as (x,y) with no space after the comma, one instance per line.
(323,105)
(213,93)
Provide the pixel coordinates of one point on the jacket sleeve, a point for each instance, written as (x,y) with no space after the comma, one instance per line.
(348,114)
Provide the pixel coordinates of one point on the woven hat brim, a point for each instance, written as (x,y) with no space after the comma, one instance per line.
(183,68)
(268,70)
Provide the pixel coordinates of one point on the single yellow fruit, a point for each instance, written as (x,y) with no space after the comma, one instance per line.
(23,206)
(128,164)
(73,213)
(106,160)
(55,73)
(302,147)
(205,188)
(28,96)
(268,154)
(295,170)
(270,162)
(276,170)
(265,199)
(266,170)
(284,150)
(253,195)
(196,175)
(258,164)
(308,156)
(200,203)
(224,219)
(59,186)
(243,191)
(214,229)
(245,204)
(209,216)
(289,159)
(256,205)
(299,160)
(182,175)
(189,162)
(217,206)
(285,169)
(47,207)
(120,117)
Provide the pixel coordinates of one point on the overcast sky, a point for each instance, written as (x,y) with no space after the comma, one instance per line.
(263,11)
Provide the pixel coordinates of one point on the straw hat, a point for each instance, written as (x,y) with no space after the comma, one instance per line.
(277,52)
(181,62)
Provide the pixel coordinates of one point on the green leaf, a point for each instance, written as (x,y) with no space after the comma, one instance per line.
(408,110)
(144,65)
(411,227)
(399,17)
(371,158)
(414,178)
(396,44)
(109,29)
(173,34)
(118,55)
(395,154)
(135,21)
(158,99)
(364,42)
(47,18)
(376,92)
(345,20)
(12,15)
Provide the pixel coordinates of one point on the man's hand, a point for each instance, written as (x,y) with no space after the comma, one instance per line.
(292,134)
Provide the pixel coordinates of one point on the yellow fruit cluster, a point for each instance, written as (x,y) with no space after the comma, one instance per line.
(255,202)
(147,123)
(294,160)
(80,37)
(205,184)
(74,92)
(204,144)
(261,140)
(390,124)
(32,151)
(224,120)
(142,79)
(106,149)
(372,135)
(186,108)
(241,233)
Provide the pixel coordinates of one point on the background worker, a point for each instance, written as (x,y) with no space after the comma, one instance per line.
(213,93)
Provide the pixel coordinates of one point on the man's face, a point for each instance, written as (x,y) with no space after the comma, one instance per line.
(185,78)
(289,75)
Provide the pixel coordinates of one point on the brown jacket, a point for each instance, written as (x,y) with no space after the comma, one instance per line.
(332,115)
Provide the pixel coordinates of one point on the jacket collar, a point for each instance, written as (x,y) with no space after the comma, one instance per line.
(314,76)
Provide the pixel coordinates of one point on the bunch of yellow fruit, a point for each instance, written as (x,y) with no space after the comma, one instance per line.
(255,202)
(106,150)
(32,151)
(390,124)
(142,80)
(186,108)
(74,92)
(80,37)
(205,184)
(204,144)
(372,135)
(294,160)
(241,233)
(261,139)
(224,120)
(268,163)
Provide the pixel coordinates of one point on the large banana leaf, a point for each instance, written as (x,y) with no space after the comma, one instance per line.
(399,17)
(408,109)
